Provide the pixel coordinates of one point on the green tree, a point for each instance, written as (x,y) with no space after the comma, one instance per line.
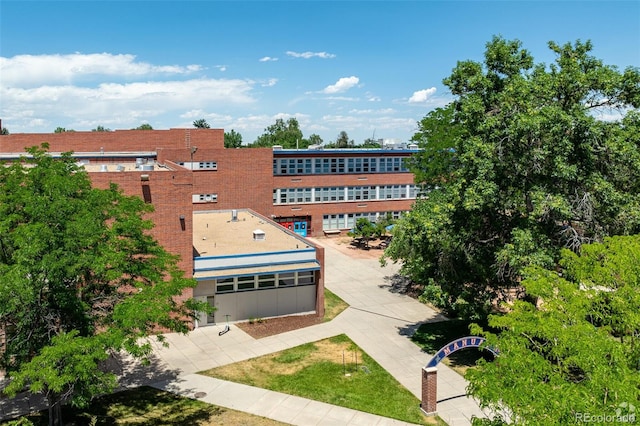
(343,141)
(314,140)
(370,143)
(571,349)
(80,278)
(232,139)
(201,123)
(525,169)
(101,129)
(364,230)
(4,131)
(145,126)
(62,130)
(437,135)
(287,134)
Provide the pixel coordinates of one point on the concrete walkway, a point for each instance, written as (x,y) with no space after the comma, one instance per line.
(378,320)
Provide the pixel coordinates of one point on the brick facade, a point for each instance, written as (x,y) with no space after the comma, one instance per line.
(242,179)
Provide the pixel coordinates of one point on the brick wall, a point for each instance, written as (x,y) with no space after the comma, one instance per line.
(243,179)
(170,194)
(116,141)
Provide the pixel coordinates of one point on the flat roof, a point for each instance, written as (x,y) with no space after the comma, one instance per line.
(96,154)
(332,151)
(216,234)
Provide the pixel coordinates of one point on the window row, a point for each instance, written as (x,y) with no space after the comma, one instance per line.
(348,193)
(199,165)
(257,282)
(348,220)
(307,166)
(205,198)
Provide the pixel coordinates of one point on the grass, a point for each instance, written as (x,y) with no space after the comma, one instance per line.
(431,337)
(333,305)
(333,370)
(146,406)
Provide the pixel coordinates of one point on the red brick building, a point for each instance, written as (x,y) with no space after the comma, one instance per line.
(185,171)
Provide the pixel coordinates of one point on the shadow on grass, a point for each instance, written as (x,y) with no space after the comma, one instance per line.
(142,406)
(131,373)
(433,336)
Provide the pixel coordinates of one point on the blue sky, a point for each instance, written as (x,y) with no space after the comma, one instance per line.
(370,68)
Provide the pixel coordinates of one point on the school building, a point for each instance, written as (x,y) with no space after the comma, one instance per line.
(239,218)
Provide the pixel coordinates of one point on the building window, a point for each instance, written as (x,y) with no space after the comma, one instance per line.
(224,285)
(205,198)
(306,278)
(287,279)
(207,165)
(266,281)
(246,283)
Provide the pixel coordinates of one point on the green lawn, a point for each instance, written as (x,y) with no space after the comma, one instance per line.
(333,305)
(316,371)
(147,406)
(434,335)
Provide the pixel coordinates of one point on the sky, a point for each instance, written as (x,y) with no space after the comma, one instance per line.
(373,69)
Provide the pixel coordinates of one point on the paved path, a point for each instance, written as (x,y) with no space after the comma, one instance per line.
(378,320)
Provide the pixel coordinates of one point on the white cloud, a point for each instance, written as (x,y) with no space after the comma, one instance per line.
(120,104)
(372,98)
(270,83)
(222,68)
(422,95)
(342,85)
(32,70)
(267,59)
(308,55)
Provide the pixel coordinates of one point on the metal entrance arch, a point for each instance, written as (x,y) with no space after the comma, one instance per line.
(430,371)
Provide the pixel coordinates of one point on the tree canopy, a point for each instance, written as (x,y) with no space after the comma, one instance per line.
(519,166)
(570,352)
(286,134)
(80,278)
(232,139)
(99,129)
(201,123)
(145,126)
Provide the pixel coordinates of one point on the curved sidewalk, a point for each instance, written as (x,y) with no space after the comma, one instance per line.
(378,320)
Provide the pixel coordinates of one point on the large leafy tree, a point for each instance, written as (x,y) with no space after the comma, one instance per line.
(232,139)
(520,166)
(286,134)
(570,352)
(80,278)
(201,123)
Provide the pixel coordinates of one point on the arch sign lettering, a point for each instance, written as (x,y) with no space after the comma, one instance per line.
(456,345)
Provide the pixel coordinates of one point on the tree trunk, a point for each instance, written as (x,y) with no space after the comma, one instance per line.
(55,410)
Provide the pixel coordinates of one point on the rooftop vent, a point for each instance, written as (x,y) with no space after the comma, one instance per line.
(104,168)
(147,167)
(259,235)
(277,147)
(120,168)
(234,215)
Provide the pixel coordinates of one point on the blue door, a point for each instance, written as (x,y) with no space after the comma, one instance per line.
(300,228)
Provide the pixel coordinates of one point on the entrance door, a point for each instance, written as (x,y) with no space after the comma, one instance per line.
(300,228)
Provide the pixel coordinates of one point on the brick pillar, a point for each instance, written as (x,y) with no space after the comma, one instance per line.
(429,390)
